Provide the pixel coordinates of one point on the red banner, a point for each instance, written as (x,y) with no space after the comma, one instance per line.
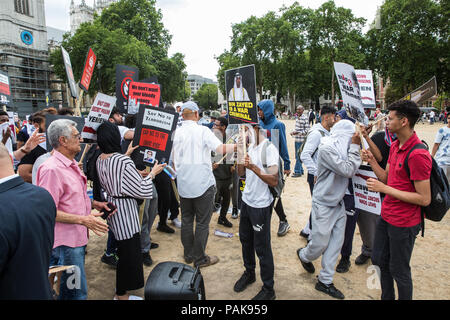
(144,93)
(88,70)
(4,88)
(153,139)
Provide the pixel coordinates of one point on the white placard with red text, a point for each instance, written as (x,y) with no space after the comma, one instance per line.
(366,200)
(100,111)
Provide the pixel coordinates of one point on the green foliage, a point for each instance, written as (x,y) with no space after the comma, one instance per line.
(412,44)
(207,96)
(129,32)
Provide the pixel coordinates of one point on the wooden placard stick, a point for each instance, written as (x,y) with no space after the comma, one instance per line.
(78,106)
(86,149)
(358,128)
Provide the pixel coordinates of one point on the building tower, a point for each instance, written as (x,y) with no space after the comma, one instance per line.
(24,53)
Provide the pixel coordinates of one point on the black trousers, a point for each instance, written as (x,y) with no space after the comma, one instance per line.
(129,272)
(224,193)
(254,234)
(166,198)
(280,210)
(392,252)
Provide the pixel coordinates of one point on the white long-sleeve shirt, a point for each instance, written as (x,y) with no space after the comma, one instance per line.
(309,154)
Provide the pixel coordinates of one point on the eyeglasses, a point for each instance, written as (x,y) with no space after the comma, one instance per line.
(77,136)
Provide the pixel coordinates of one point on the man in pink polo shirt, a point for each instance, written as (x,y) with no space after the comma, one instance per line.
(400,220)
(63,179)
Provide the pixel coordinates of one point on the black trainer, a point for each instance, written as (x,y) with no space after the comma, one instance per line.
(110,260)
(224,221)
(343,265)
(235,213)
(308,266)
(361,259)
(265,294)
(146,259)
(246,279)
(165,228)
(329,290)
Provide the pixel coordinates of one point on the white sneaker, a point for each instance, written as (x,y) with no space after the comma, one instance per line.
(176,223)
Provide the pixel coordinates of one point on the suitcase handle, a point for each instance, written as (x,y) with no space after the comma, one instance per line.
(194,277)
(177,276)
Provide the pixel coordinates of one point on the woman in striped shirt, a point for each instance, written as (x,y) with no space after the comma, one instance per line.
(123,184)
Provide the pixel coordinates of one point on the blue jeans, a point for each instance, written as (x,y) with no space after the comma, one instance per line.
(73,282)
(298,169)
(111,244)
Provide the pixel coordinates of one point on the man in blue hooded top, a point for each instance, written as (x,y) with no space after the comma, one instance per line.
(276,132)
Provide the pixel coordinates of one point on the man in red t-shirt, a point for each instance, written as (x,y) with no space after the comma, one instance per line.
(400,212)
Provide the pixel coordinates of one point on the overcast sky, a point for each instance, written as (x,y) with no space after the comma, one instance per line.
(201,29)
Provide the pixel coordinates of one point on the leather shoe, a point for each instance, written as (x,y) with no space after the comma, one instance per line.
(343,265)
(361,259)
(224,221)
(146,259)
(208,261)
(154,245)
(308,266)
(165,228)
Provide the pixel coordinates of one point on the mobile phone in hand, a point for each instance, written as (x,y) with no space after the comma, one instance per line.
(106,214)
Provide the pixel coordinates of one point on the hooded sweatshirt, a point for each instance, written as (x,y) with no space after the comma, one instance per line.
(277,136)
(337,162)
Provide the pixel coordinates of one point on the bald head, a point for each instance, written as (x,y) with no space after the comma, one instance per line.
(6,164)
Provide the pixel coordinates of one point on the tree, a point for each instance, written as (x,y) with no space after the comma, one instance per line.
(227,61)
(207,96)
(129,32)
(412,44)
(111,48)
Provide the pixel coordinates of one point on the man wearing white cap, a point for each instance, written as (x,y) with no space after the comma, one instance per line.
(191,153)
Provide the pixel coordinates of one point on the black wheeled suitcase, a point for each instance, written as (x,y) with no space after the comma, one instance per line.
(174,281)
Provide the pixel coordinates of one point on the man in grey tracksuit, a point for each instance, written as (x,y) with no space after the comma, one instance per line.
(338,160)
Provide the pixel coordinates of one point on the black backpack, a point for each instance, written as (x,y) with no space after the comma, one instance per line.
(440,192)
(278,189)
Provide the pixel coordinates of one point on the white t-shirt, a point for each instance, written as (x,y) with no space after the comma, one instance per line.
(256,192)
(191,155)
(443,154)
(123,130)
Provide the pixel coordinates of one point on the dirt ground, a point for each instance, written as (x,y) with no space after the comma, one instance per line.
(429,264)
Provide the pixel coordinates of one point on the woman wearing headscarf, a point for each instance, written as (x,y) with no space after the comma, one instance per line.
(123,184)
(338,160)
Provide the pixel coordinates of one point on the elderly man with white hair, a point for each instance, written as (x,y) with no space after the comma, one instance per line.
(63,179)
(338,160)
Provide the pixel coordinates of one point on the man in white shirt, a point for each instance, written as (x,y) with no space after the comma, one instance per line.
(191,156)
(256,213)
(441,148)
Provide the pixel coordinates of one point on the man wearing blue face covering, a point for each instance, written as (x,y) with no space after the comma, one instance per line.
(276,132)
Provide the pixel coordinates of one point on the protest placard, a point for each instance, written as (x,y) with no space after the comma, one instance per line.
(69,73)
(423,93)
(5,89)
(124,75)
(366,87)
(240,85)
(12,126)
(88,70)
(154,130)
(364,199)
(99,113)
(351,96)
(141,93)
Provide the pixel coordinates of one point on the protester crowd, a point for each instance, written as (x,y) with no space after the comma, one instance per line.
(51,214)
